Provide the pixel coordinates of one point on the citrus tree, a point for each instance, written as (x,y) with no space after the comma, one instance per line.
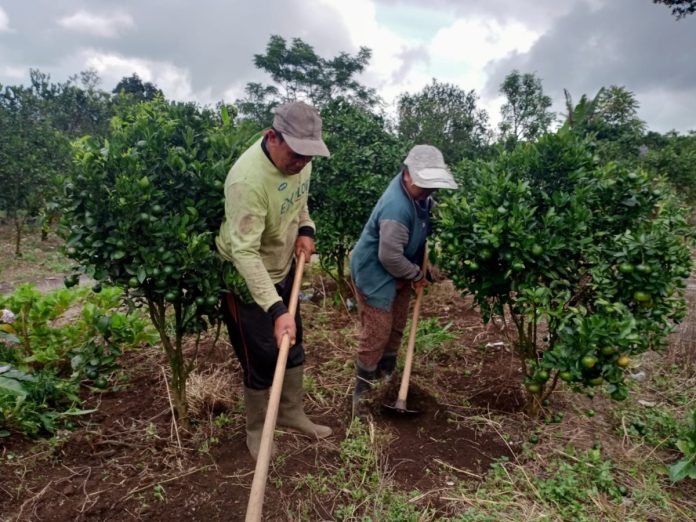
(32,153)
(587,261)
(364,158)
(141,211)
(447,117)
(674,156)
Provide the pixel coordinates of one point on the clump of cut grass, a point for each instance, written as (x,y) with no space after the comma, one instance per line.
(210,393)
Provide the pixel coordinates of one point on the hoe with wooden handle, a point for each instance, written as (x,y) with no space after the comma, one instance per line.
(258,485)
(400,404)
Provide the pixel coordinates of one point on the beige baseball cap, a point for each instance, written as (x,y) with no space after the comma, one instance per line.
(428,169)
(300,125)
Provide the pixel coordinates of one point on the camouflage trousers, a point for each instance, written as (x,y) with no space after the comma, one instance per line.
(381,330)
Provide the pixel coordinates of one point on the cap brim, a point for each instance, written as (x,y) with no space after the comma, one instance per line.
(434,178)
(307,147)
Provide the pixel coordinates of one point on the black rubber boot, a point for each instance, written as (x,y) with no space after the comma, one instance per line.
(386,366)
(364,380)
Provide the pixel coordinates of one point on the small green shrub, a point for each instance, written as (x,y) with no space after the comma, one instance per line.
(686,466)
(52,346)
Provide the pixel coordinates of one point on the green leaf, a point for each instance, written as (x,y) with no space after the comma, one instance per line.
(12,373)
(225,115)
(9,337)
(681,469)
(12,387)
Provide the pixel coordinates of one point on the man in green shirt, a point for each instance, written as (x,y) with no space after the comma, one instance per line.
(267,223)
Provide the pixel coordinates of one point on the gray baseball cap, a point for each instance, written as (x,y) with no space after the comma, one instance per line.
(428,169)
(300,125)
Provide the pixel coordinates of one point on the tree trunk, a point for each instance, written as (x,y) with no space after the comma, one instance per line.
(46,227)
(175,356)
(534,404)
(178,384)
(343,287)
(18,236)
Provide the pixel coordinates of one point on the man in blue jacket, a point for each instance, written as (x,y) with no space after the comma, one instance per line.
(386,262)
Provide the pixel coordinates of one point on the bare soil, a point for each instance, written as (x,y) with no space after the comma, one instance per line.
(41,262)
(128,460)
(124,462)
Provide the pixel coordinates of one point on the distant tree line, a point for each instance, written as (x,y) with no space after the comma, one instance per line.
(38,122)
(138,179)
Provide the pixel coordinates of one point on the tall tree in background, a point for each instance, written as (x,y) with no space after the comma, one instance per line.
(77,106)
(525,115)
(617,110)
(32,153)
(301,74)
(259,104)
(365,156)
(73,108)
(445,116)
(611,118)
(680,8)
(82,107)
(134,86)
(673,155)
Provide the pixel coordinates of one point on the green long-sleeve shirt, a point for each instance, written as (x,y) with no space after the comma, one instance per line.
(264,210)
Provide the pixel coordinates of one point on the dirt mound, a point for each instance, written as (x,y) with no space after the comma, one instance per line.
(432,438)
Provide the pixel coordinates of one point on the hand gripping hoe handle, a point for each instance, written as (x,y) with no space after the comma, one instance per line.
(258,485)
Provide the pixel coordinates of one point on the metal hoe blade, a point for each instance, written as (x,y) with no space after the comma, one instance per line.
(400,407)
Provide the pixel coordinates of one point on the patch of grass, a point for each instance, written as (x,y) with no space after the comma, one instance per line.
(39,260)
(582,486)
(313,389)
(656,412)
(575,484)
(655,426)
(358,486)
(57,262)
(431,335)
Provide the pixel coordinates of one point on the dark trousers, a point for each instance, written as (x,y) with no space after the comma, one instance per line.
(251,334)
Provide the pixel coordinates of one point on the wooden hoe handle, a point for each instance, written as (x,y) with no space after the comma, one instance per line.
(258,485)
(408,363)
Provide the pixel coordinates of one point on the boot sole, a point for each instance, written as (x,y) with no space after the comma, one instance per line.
(312,435)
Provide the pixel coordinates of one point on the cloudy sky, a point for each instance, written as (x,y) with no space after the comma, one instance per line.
(203,49)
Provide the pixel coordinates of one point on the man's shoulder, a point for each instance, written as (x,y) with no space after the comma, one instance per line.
(394,204)
(251,168)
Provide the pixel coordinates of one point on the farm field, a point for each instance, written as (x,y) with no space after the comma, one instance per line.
(470,455)
(160,177)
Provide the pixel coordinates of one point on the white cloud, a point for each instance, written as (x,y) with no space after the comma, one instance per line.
(175,82)
(388,70)
(14,73)
(405,60)
(97,25)
(359,16)
(463,49)
(4,21)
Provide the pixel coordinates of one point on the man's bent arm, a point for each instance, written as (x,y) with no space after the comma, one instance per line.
(393,237)
(245,214)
